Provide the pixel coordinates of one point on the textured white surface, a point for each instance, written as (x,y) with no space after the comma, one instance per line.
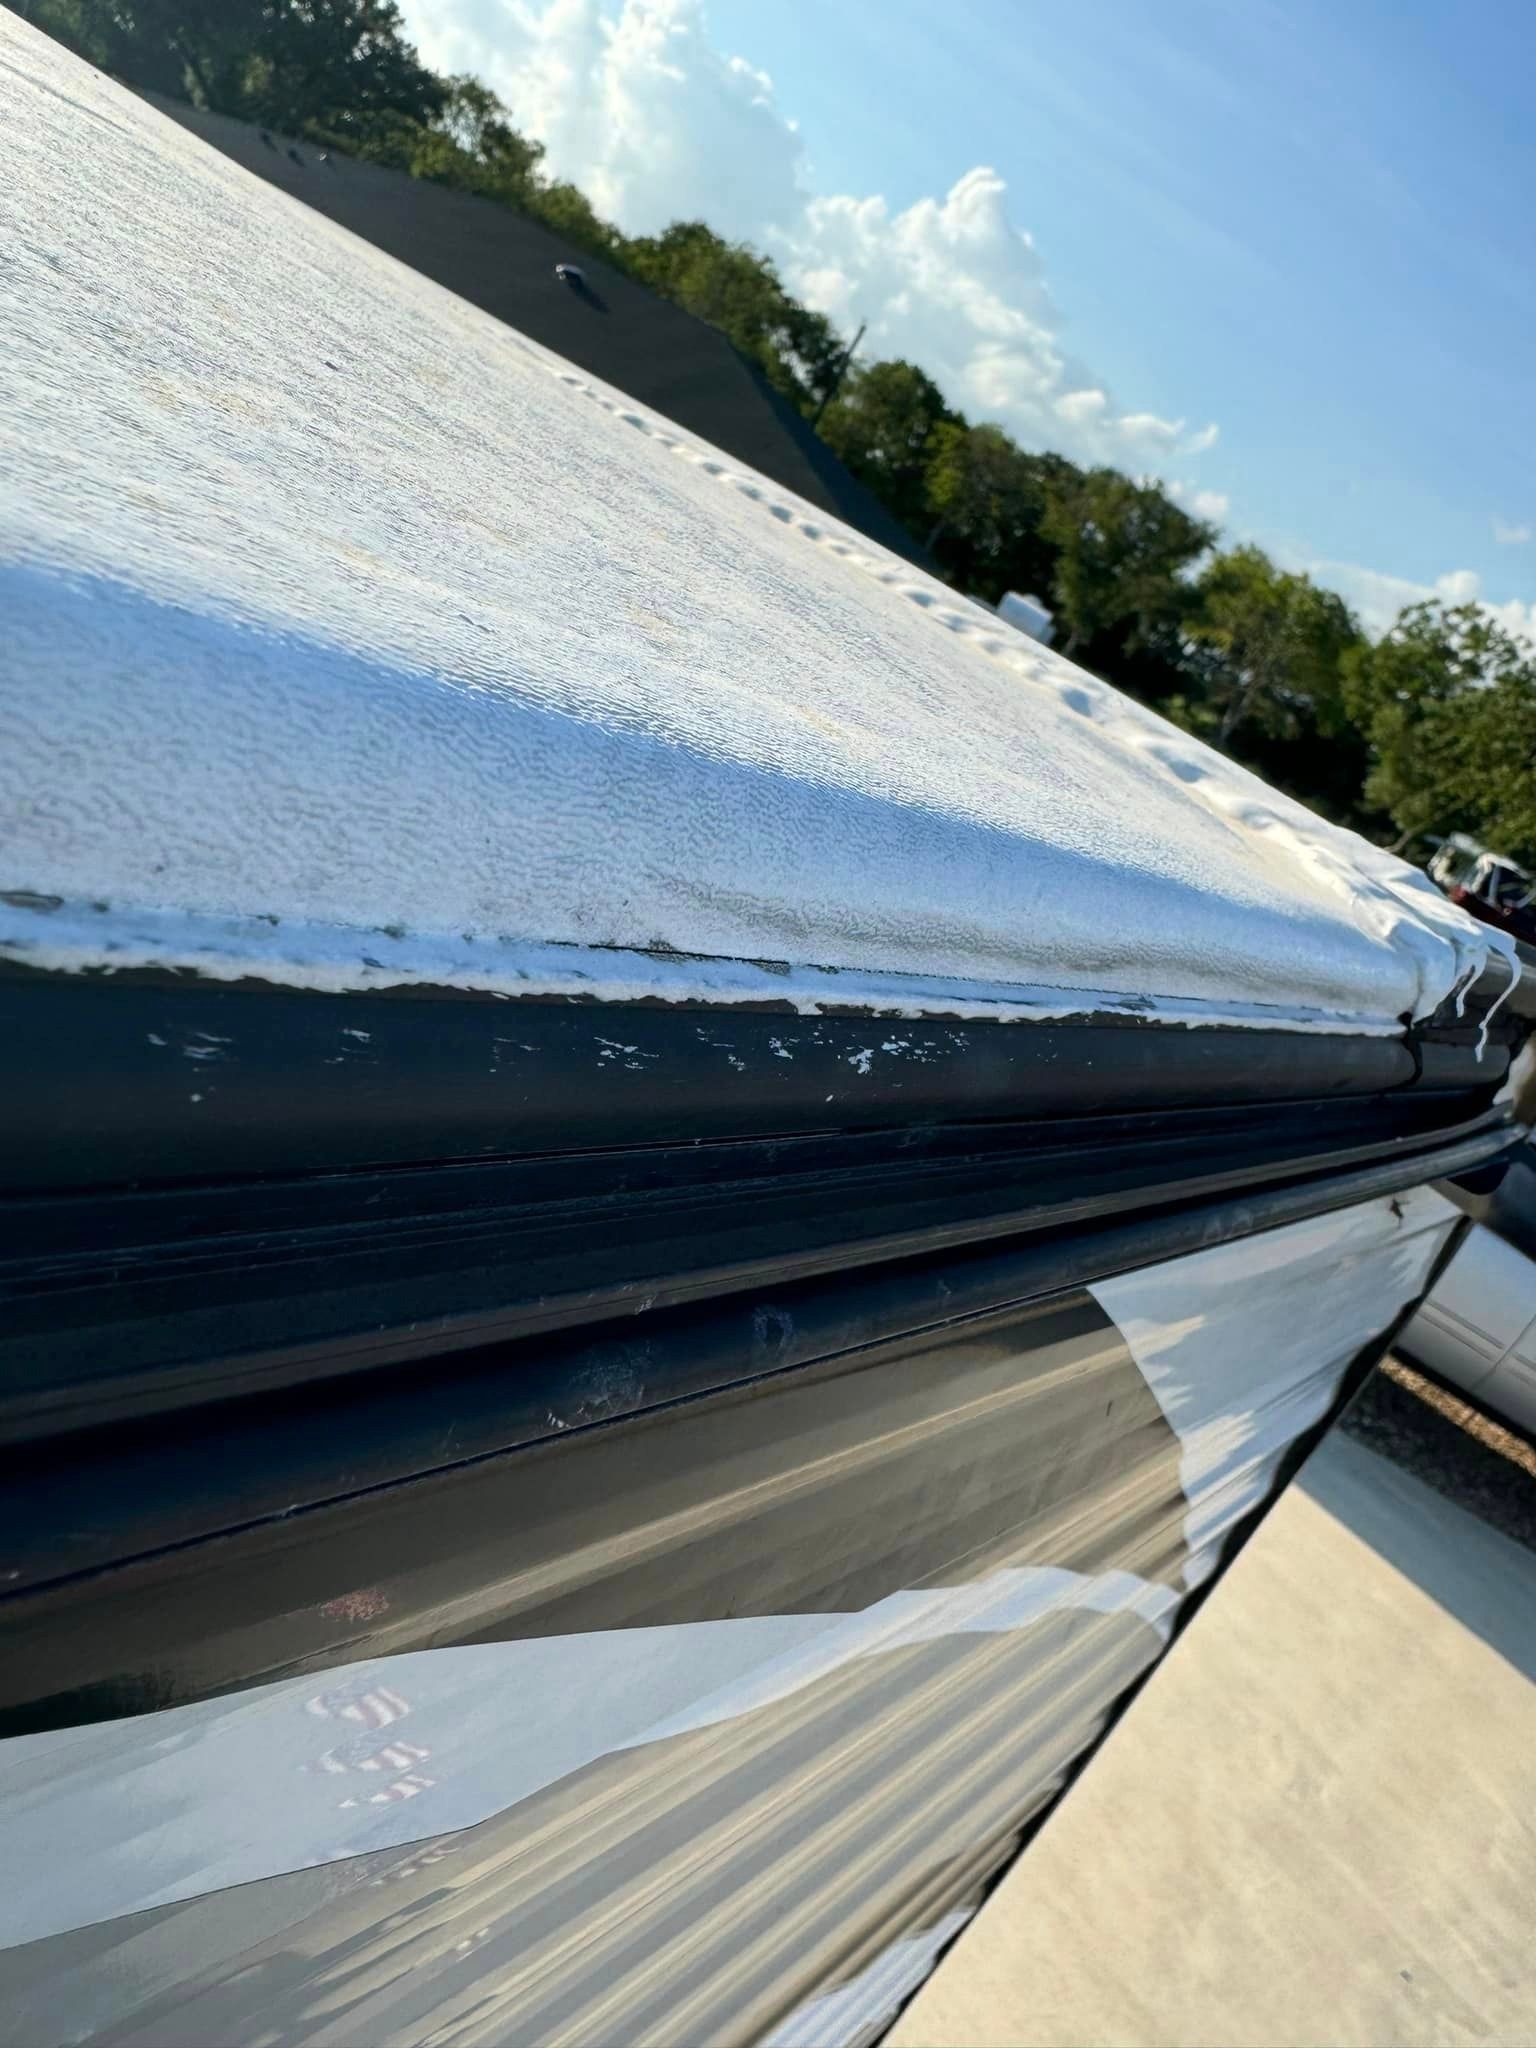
(334,608)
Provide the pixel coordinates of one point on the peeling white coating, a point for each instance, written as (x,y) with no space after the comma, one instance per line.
(124,1816)
(349,638)
(1235,1405)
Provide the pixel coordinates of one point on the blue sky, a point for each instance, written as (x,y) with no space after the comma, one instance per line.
(1307,227)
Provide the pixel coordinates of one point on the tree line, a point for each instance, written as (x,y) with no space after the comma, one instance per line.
(1428,730)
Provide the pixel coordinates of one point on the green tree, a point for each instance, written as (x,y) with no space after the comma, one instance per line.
(739,291)
(987,500)
(570,213)
(471,145)
(881,424)
(1123,550)
(1280,640)
(1504,761)
(341,68)
(1447,702)
(337,66)
(468,144)
(474,119)
(188,49)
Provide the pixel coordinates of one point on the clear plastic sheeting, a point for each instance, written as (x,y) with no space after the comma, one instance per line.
(157,1808)
(722,1741)
(1237,1405)
(861,2009)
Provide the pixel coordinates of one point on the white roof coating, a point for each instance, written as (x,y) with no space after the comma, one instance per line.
(349,640)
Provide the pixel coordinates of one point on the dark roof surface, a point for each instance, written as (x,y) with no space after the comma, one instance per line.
(504,262)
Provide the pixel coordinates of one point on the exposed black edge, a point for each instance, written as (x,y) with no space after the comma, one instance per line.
(93,1503)
(126,1305)
(110,1081)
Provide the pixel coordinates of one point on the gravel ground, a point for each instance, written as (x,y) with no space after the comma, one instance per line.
(1459,1450)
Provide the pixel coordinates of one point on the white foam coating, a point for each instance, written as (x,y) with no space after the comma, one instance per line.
(340,621)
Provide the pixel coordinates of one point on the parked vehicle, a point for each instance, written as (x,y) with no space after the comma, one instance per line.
(1487,886)
(666,1202)
(1478,1328)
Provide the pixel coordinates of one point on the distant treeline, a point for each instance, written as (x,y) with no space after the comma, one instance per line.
(1429,730)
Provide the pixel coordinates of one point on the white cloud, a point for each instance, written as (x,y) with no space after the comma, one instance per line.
(638,106)
(1515,617)
(635,104)
(1081,407)
(1212,505)
(956,285)
(1378,598)
(1147,429)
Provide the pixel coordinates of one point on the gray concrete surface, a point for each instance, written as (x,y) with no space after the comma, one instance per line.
(1317,1824)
